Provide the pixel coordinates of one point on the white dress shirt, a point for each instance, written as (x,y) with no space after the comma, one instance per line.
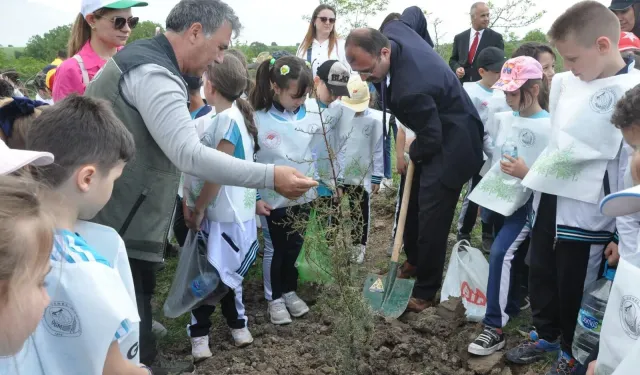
(320,54)
(472,35)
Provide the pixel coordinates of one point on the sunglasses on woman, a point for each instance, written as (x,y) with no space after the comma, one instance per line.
(120,22)
(327,19)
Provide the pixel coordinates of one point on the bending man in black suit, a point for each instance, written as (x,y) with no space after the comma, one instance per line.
(418,87)
(465,50)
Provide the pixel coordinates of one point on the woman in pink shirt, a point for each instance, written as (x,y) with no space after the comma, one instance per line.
(100,30)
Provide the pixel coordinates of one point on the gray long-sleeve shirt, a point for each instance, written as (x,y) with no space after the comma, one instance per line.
(160,98)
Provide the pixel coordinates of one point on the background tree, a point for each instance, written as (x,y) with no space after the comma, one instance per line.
(352,14)
(435,23)
(514,14)
(144,30)
(45,47)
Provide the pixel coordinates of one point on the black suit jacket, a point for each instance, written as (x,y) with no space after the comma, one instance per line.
(426,96)
(460,52)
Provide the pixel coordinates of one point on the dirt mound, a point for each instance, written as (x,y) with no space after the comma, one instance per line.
(433,342)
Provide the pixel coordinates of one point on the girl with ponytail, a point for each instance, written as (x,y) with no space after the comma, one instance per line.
(225,215)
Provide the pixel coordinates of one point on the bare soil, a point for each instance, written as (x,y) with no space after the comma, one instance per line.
(431,343)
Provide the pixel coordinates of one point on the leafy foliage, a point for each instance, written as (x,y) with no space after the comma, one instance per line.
(45,47)
(251,50)
(145,29)
(514,14)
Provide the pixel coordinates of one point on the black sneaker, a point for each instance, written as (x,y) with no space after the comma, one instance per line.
(464,237)
(488,342)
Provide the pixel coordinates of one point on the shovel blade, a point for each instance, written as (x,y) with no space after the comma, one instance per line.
(396,302)
(387,295)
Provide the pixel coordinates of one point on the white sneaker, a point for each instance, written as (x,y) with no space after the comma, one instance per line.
(278,312)
(360,257)
(242,337)
(158,329)
(200,348)
(296,306)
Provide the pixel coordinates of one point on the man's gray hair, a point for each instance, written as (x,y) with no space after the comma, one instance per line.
(211,14)
(475,5)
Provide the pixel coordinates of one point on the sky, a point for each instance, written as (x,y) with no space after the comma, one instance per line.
(264,21)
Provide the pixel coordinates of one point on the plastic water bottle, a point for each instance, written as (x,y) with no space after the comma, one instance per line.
(509,148)
(591,314)
(204,284)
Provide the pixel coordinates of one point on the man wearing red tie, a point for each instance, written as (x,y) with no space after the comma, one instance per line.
(468,44)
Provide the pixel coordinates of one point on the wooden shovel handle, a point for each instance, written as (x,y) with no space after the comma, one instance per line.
(397,243)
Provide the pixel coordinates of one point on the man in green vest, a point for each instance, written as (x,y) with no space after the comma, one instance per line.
(145,82)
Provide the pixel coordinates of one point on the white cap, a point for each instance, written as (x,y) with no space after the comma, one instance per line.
(11,160)
(90,6)
(622,203)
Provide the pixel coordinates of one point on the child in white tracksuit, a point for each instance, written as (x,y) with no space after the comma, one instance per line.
(289,127)
(528,128)
(361,157)
(225,214)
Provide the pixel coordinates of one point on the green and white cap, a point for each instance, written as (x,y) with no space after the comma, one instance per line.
(90,6)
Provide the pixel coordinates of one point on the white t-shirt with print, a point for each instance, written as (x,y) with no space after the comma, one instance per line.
(92,304)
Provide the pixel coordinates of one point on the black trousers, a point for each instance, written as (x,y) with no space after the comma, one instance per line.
(286,244)
(425,242)
(556,277)
(202,316)
(359,199)
(469,212)
(144,282)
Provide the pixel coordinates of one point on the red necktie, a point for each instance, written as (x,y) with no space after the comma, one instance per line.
(474,47)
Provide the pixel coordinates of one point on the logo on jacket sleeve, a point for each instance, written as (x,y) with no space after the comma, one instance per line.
(61,320)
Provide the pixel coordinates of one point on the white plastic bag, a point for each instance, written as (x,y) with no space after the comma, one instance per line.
(196,281)
(467,277)
(619,344)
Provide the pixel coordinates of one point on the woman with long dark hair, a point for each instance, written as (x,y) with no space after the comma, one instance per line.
(322,42)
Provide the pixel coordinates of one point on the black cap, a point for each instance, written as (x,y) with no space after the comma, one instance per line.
(336,76)
(621,4)
(491,59)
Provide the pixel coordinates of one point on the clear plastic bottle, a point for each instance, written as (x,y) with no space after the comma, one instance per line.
(509,148)
(594,304)
(204,284)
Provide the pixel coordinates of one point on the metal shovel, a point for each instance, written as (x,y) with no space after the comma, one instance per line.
(387,295)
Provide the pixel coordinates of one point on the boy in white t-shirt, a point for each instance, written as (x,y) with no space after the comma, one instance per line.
(91,324)
(489,63)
